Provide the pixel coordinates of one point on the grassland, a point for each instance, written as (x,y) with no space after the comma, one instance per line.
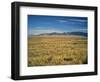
(57,50)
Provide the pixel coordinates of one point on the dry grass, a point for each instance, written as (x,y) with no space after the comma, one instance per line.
(57,50)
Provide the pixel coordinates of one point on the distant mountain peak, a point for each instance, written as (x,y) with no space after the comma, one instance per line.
(67,33)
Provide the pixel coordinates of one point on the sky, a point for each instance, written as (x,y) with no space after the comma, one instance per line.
(38,24)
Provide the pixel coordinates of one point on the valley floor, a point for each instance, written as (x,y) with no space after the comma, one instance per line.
(57,50)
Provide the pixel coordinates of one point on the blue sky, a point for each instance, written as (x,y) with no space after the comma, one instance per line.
(38,24)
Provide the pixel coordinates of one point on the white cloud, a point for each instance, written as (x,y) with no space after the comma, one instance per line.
(40,31)
(79,30)
(72,20)
(78,20)
(62,21)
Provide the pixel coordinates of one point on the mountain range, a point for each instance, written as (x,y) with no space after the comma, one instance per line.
(67,33)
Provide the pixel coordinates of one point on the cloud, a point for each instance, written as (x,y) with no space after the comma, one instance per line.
(62,21)
(78,20)
(79,30)
(40,31)
(72,20)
